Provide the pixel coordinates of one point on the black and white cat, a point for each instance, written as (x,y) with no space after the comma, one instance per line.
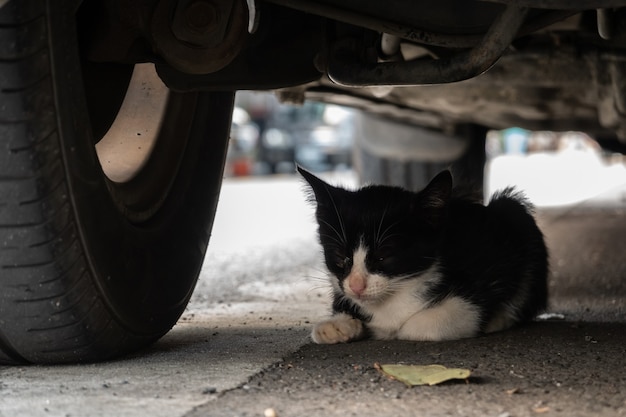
(428,265)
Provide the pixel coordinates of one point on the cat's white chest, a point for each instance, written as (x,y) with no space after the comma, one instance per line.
(388,317)
(400,308)
(405,315)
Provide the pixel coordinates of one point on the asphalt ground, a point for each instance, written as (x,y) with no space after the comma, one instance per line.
(574,365)
(242,347)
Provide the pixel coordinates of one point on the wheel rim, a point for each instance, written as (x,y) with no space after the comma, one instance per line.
(140,137)
(128,143)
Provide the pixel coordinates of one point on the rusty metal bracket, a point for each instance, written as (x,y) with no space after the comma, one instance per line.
(345,68)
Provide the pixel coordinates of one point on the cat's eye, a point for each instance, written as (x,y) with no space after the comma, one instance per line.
(344,263)
(382,262)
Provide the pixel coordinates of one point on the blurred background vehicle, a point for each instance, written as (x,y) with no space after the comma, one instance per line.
(244,139)
(315,135)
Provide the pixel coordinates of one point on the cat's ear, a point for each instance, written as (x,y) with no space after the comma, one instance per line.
(437,193)
(322,191)
(433,200)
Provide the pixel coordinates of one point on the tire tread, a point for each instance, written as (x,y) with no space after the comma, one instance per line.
(37,231)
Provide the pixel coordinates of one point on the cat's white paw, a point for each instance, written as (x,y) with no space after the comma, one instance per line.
(339,329)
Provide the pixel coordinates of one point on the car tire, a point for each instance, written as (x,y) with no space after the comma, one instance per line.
(93,268)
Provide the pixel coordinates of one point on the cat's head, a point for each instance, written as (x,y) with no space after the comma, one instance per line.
(378,237)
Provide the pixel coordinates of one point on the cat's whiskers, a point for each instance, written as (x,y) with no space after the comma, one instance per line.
(399,281)
(319,269)
(318,279)
(325,288)
(341,225)
(380,224)
(333,238)
(341,238)
(386,237)
(380,238)
(326,291)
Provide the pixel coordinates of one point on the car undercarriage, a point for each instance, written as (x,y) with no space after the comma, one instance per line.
(541,65)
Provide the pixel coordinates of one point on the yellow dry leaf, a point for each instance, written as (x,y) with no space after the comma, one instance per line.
(424,374)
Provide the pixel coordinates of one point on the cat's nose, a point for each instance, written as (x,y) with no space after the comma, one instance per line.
(357,284)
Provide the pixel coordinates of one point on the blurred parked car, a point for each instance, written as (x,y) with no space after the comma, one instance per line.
(315,135)
(328,144)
